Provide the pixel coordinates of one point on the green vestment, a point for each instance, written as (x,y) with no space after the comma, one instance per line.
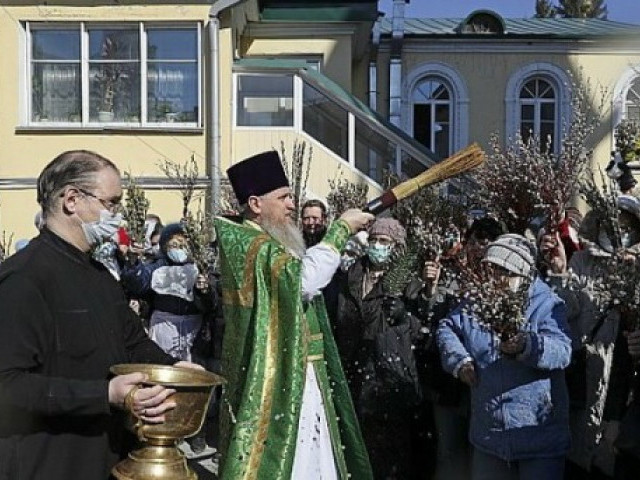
(270,338)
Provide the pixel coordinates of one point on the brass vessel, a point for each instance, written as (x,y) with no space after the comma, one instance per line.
(159,458)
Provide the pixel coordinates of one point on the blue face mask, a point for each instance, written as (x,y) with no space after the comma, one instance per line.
(178,255)
(378,254)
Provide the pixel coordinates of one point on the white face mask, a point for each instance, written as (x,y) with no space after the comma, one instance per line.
(103,229)
(515,283)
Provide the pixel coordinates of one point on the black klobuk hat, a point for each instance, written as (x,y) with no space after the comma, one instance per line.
(257,175)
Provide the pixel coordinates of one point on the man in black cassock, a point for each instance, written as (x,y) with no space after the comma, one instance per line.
(64,322)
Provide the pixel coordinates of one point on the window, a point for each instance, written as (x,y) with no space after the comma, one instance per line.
(325,121)
(431,104)
(125,74)
(264,101)
(538,103)
(538,112)
(632,103)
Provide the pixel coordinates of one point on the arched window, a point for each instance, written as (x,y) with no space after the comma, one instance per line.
(538,102)
(431,107)
(538,112)
(435,107)
(632,102)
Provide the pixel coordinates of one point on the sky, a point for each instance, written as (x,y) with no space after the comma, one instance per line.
(619,10)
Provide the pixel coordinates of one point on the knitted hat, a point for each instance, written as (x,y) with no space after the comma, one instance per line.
(169,231)
(512,252)
(257,175)
(630,204)
(390,227)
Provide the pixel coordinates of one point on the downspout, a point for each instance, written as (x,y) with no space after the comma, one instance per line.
(213,132)
(373,87)
(395,64)
(373,65)
(395,73)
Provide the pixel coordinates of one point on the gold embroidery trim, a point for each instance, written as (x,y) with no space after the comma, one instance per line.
(266,399)
(244,296)
(315,337)
(313,358)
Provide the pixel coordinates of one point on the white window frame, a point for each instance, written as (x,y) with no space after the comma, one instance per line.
(432,120)
(537,103)
(297,102)
(83,28)
(559,80)
(458,102)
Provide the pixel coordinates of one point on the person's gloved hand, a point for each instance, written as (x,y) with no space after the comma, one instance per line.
(394,309)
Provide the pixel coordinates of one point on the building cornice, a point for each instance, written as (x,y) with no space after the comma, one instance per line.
(288,30)
(506,46)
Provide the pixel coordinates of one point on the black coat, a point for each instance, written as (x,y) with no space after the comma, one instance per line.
(64,322)
(357,324)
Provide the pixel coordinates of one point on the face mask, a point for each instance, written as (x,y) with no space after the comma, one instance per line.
(178,255)
(101,230)
(515,283)
(378,254)
(628,239)
(346,262)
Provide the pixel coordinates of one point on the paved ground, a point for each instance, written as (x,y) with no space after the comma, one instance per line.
(205,464)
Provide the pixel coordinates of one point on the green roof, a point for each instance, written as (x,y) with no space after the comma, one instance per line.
(570,28)
(318,11)
(348,101)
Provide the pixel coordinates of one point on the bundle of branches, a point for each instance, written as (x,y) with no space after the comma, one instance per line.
(491,302)
(616,279)
(616,284)
(135,209)
(344,194)
(5,245)
(185,176)
(527,179)
(298,172)
(228,204)
(603,201)
(403,266)
(432,220)
(628,140)
(201,236)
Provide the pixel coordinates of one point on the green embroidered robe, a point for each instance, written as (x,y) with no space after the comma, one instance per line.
(270,338)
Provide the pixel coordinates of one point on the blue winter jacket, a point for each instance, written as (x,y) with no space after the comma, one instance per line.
(519,406)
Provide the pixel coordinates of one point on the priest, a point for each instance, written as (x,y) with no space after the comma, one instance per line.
(286,410)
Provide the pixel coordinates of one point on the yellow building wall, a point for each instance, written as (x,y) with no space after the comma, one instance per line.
(486,75)
(335,52)
(24,154)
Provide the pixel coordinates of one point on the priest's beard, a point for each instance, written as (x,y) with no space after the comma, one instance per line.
(287,233)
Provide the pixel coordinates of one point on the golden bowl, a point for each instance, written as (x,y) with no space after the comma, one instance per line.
(160,458)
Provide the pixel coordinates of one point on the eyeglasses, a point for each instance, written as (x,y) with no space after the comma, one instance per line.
(112,207)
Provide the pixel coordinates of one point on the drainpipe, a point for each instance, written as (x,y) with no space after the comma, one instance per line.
(373,91)
(373,65)
(213,132)
(395,73)
(395,64)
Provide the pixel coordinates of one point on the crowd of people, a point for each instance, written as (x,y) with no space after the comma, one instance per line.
(330,373)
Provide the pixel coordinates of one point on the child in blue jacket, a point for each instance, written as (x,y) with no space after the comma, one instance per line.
(519,405)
